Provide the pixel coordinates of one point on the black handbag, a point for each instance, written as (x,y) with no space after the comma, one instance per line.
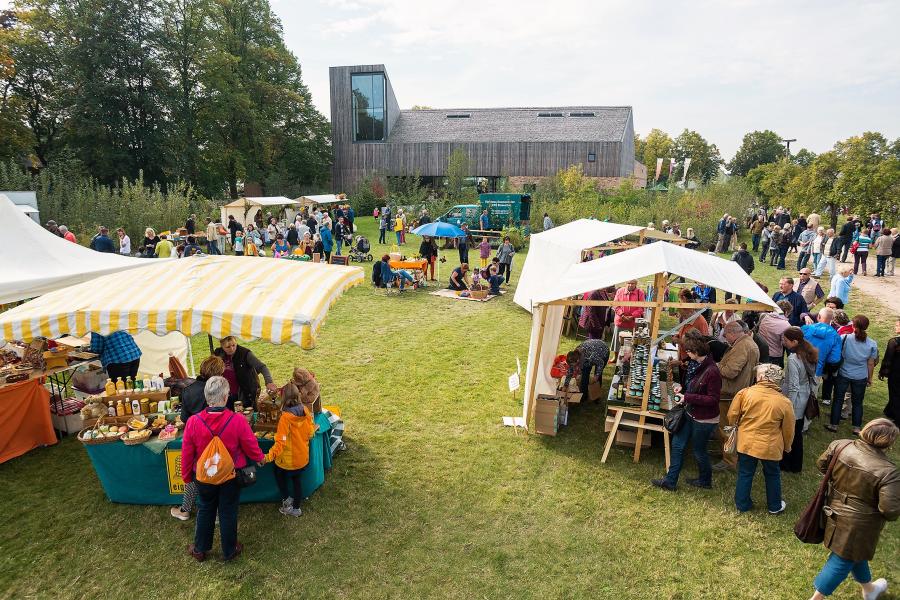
(675,419)
(246,476)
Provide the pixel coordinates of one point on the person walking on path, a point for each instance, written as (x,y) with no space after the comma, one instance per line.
(505,255)
(861,254)
(220,499)
(743,258)
(818,244)
(756,229)
(883,246)
(831,247)
(701,400)
(736,369)
(895,252)
(864,495)
(848,230)
(805,243)
(890,370)
(720,234)
(766,241)
(765,422)
(860,355)
(784,244)
(799,381)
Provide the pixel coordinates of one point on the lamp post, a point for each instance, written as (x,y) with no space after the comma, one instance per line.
(788,146)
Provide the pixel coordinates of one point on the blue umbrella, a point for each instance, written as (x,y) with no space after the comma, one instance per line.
(439,229)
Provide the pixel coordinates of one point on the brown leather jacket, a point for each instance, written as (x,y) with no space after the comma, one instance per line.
(864,493)
(738,367)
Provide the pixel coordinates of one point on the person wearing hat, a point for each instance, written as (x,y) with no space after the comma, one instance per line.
(765,421)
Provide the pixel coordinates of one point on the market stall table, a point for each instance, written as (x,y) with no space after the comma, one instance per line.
(150,473)
(24,418)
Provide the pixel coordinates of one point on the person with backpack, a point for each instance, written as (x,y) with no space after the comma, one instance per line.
(217,443)
(295,428)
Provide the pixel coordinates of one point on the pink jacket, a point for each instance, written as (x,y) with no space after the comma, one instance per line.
(622,295)
(485,249)
(237,437)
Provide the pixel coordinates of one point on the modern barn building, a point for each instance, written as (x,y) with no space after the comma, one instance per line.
(370,134)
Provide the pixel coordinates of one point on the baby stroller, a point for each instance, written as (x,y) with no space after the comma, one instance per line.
(360,250)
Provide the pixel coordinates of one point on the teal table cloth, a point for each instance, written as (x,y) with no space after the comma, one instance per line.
(140,475)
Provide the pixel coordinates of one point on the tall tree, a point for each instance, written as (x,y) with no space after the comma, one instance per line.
(657,145)
(705,158)
(804,157)
(757,148)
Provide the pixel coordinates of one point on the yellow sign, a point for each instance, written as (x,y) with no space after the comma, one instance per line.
(173,468)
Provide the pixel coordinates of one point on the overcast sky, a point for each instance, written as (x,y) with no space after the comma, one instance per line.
(817,71)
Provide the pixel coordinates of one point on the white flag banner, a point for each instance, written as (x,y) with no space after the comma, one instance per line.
(658,168)
(671,167)
(687,165)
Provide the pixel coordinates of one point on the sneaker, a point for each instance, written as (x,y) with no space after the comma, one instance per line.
(238,548)
(831,428)
(179,514)
(287,502)
(663,484)
(699,484)
(856,431)
(780,510)
(198,556)
(290,511)
(879,586)
(826,401)
(722,466)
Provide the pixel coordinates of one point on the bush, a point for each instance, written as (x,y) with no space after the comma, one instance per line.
(516,237)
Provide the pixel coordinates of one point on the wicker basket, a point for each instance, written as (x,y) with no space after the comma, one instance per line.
(145,435)
(97,441)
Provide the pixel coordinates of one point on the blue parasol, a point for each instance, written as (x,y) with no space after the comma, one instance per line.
(439,229)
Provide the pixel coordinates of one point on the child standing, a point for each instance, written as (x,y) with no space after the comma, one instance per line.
(485,251)
(291,449)
(239,243)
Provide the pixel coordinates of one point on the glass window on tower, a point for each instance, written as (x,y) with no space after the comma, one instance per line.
(368,107)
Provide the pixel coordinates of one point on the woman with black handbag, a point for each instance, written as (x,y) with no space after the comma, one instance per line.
(864,494)
(701,401)
(798,384)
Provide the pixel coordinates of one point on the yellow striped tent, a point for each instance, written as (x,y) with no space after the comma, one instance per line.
(275,300)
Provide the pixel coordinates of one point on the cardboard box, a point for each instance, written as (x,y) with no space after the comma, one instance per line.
(546,415)
(595,391)
(626,437)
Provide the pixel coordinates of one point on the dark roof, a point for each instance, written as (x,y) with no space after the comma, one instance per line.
(512,125)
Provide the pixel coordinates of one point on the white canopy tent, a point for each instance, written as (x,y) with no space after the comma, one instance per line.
(244,209)
(33,261)
(319,199)
(644,261)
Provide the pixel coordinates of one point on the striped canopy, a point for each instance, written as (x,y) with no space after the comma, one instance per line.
(275,300)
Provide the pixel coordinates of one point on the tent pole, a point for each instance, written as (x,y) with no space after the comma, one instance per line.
(534,366)
(190,353)
(655,314)
(209,338)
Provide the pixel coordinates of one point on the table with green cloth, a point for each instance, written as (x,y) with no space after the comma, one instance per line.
(150,473)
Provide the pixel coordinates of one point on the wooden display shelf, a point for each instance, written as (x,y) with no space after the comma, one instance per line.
(153,396)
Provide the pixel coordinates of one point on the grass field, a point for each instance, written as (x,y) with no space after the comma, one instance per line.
(433,498)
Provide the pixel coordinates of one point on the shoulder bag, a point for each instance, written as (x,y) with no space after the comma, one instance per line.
(810,527)
(675,419)
(812,404)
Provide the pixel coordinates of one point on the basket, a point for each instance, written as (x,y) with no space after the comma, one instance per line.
(145,435)
(101,440)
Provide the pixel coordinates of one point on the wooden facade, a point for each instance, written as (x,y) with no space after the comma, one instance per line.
(355,160)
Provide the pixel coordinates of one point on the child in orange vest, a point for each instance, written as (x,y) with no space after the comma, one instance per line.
(291,449)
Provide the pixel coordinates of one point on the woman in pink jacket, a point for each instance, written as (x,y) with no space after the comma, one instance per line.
(238,438)
(625,315)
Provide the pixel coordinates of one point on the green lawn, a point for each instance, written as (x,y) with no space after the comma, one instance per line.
(433,498)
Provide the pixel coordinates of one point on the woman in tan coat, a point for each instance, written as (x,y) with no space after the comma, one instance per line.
(864,494)
(765,422)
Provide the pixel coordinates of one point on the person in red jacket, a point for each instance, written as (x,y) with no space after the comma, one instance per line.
(235,433)
(701,397)
(625,315)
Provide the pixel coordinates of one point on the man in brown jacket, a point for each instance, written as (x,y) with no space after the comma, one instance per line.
(737,368)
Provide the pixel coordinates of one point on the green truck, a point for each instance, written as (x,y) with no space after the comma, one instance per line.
(504,210)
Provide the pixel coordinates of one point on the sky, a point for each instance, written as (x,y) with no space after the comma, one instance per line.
(818,71)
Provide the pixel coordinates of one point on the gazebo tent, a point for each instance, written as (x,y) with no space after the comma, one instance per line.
(318,199)
(647,260)
(244,209)
(279,301)
(34,262)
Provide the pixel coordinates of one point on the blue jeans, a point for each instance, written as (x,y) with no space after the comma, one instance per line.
(835,571)
(339,244)
(698,434)
(782,254)
(881,261)
(398,237)
(857,393)
(802,260)
(755,238)
(223,499)
(403,275)
(212,247)
(816,258)
(746,469)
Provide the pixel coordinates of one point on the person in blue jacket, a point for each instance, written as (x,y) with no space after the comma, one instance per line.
(827,341)
(327,242)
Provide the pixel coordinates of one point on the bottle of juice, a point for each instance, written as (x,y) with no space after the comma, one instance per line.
(120,409)
(129,384)
(135,407)
(120,385)
(111,409)
(110,387)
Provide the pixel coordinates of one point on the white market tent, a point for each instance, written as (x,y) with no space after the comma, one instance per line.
(244,209)
(34,262)
(644,261)
(319,199)
(279,301)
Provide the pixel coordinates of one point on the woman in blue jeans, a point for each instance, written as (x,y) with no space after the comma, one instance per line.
(864,494)
(702,390)
(860,354)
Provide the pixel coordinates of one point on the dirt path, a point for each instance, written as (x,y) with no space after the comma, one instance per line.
(885,290)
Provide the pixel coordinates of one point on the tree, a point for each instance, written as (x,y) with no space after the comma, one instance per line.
(639,146)
(804,157)
(870,175)
(657,145)
(813,187)
(457,172)
(757,148)
(770,181)
(705,158)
